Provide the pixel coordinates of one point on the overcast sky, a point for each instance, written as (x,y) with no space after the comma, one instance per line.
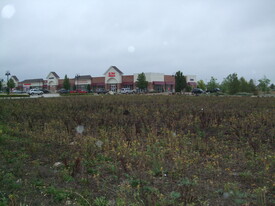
(201,37)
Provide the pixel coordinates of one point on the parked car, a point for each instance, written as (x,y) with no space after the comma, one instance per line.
(17,91)
(78,91)
(63,91)
(198,91)
(45,91)
(126,91)
(35,91)
(214,90)
(101,91)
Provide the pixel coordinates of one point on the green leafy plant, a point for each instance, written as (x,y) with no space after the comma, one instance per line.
(101,201)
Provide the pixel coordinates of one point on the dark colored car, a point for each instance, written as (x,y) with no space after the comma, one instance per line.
(101,91)
(214,90)
(45,91)
(198,91)
(63,91)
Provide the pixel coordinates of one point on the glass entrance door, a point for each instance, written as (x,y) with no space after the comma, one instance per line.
(113,87)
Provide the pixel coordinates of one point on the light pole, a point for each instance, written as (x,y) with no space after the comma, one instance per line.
(76,77)
(8,74)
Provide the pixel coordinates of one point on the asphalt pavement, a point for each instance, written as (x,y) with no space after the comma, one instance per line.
(44,95)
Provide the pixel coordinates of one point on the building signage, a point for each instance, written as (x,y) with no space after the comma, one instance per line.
(112,74)
(27,84)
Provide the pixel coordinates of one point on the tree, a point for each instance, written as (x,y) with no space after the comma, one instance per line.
(141,82)
(188,88)
(252,87)
(272,86)
(201,85)
(180,80)
(212,84)
(1,85)
(263,85)
(244,85)
(231,84)
(66,83)
(10,85)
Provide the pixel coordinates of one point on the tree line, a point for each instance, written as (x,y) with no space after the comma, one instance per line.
(232,84)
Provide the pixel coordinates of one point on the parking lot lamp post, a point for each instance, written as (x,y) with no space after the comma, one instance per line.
(76,77)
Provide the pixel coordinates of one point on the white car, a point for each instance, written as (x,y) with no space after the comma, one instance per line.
(126,91)
(35,91)
(17,91)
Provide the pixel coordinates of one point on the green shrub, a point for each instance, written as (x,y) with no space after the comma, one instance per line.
(101,201)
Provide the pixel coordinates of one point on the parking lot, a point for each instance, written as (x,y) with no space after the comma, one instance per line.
(44,95)
(33,96)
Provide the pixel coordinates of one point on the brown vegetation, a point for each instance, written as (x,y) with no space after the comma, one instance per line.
(137,150)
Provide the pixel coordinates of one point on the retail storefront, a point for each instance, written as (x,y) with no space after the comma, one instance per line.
(113,80)
(28,84)
(82,82)
(158,86)
(128,82)
(52,81)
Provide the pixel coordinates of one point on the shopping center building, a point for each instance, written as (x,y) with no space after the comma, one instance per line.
(113,80)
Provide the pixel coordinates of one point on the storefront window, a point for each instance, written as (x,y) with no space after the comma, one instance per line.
(158,88)
(128,86)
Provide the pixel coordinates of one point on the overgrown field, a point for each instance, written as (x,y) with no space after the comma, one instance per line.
(137,150)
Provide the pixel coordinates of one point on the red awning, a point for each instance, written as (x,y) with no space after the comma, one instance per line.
(170,83)
(158,83)
(192,84)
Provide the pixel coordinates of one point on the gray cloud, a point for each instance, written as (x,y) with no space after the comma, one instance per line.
(206,38)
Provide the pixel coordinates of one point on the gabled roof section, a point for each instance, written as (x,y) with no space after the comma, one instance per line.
(115,68)
(85,77)
(54,74)
(15,78)
(32,80)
